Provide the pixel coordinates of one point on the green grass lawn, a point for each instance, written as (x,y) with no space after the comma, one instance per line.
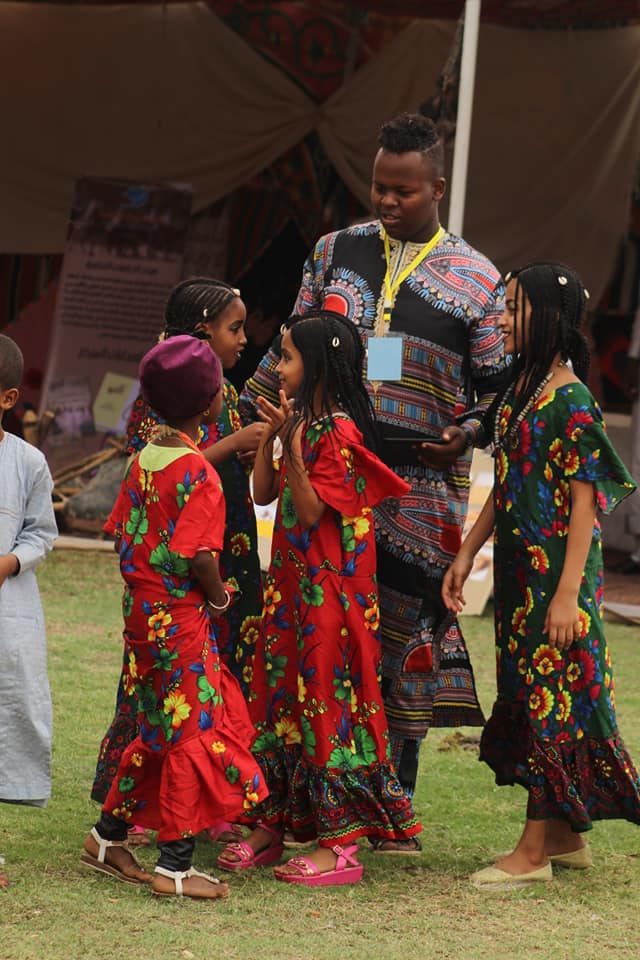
(405,908)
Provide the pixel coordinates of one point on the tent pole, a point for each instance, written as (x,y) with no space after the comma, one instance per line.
(464,115)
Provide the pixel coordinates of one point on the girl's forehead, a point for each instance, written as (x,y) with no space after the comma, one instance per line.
(234,310)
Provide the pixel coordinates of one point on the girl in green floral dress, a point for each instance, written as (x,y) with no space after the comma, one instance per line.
(553,728)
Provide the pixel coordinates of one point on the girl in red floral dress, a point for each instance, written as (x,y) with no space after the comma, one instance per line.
(322,738)
(190,764)
(214,312)
(553,727)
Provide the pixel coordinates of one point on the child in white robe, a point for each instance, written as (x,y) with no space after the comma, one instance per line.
(27,532)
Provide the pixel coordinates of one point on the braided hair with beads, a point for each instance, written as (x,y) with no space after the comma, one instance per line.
(196,301)
(558,301)
(333,356)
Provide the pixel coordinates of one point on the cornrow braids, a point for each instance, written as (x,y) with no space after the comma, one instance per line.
(196,301)
(558,300)
(333,357)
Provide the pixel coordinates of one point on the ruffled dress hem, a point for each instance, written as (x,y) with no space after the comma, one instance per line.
(209,778)
(333,805)
(579,781)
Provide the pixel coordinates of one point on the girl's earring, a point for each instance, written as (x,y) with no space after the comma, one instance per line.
(207,412)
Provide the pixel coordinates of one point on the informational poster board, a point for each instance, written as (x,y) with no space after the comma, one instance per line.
(123,255)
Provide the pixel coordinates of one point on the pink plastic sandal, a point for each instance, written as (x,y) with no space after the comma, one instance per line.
(310,876)
(138,836)
(224,832)
(246,858)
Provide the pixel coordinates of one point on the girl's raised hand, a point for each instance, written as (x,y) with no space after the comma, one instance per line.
(275,417)
(453,582)
(562,623)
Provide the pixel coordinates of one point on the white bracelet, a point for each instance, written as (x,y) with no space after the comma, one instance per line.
(225,605)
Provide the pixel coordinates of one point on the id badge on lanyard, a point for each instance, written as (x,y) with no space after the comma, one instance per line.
(384,352)
(384,358)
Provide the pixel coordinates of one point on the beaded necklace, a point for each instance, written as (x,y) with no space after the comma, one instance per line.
(513,429)
(163,430)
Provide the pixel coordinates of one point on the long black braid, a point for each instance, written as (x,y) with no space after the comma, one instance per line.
(195,301)
(558,300)
(333,356)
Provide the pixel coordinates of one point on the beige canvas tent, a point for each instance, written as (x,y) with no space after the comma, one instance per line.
(172,92)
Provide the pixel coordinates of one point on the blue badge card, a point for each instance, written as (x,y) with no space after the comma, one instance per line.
(384,358)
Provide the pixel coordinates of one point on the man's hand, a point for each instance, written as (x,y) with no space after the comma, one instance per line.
(439,456)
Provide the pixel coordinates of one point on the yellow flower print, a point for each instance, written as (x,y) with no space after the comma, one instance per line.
(563,705)
(218,746)
(250,631)
(512,646)
(546,659)
(529,678)
(348,459)
(548,473)
(176,704)
(519,619)
(240,545)
(302,690)
(561,498)
(239,655)
(133,665)
(522,666)
(271,598)
(539,559)
(251,799)
(571,462)
(157,623)
(573,672)
(585,622)
(130,675)
(540,702)
(123,812)
(137,759)
(556,452)
(372,617)
(287,730)
(247,673)
(362,524)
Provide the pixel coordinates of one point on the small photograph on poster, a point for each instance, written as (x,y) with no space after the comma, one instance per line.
(70,398)
(113,403)
(121,219)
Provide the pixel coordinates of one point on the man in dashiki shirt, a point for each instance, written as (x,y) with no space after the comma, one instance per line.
(403,277)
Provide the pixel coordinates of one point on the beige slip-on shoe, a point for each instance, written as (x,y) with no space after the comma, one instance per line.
(576,860)
(492,878)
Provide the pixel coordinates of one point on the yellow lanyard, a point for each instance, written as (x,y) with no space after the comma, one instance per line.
(391,287)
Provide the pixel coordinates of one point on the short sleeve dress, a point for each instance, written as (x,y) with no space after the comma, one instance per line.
(239,562)
(322,740)
(190,764)
(553,728)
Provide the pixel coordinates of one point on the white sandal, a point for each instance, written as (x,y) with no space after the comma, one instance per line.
(179,875)
(98,862)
